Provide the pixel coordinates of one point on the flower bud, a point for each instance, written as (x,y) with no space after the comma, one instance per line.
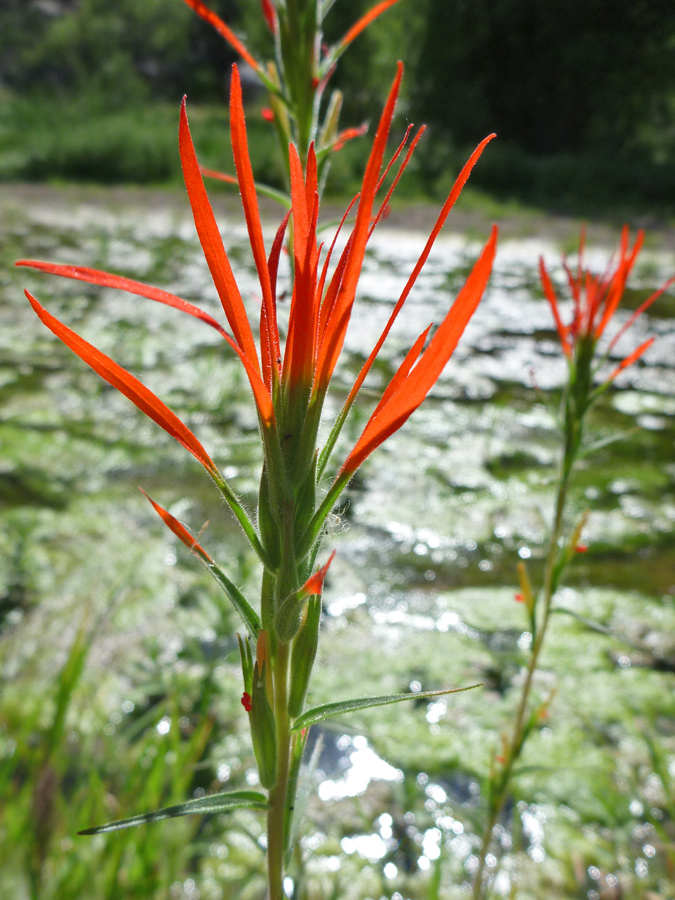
(246,661)
(263,728)
(303,655)
(289,614)
(575,545)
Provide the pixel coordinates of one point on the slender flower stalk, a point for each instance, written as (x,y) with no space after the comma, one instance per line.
(297,77)
(595,301)
(289,376)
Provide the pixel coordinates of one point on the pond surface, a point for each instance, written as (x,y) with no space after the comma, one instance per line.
(420,596)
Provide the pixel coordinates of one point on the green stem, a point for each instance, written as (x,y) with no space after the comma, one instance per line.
(276,816)
(518,737)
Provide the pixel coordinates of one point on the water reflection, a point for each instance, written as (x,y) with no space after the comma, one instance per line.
(422,588)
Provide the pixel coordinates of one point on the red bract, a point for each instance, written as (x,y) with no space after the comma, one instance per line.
(596,299)
(289,379)
(179,530)
(225,31)
(270,15)
(365,21)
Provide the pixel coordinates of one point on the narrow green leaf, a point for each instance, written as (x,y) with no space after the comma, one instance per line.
(340,707)
(273,194)
(605,442)
(242,517)
(248,614)
(215,803)
(597,626)
(588,623)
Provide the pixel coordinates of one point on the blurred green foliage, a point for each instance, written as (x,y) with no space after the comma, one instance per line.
(581,94)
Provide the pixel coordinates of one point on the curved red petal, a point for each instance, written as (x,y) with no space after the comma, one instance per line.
(314,584)
(178,529)
(224,30)
(126,384)
(106,279)
(249,197)
(365,21)
(212,244)
(429,367)
(336,325)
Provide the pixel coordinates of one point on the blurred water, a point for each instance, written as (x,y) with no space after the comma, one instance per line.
(421,591)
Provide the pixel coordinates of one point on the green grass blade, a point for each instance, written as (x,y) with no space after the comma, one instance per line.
(340,707)
(216,803)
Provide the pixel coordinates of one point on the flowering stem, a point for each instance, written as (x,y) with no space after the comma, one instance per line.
(500,782)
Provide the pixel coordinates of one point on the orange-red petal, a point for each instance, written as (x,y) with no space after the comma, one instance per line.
(631,358)
(224,30)
(219,176)
(212,245)
(314,584)
(178,529)
(249,197)
(333,336)
(429,367)
(563,330)
(126,384)
(106,279)
(445,212)
(365,21)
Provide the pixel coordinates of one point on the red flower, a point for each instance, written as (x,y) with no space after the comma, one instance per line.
(596,299)
(289,384)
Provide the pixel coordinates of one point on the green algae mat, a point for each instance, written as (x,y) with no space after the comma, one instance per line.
(119,690)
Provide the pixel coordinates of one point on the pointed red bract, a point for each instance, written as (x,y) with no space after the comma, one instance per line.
(212,245)
(413,389)
(270,15)
(178,529)
(365,21)
(461,180)
(336,327)
(384,205)
(348,134)
(218,176)
(126,384)
(105,279)
(314,584)
(224,30)
(249,197)
(301,342)
(403,370)
(641,308)
(632,357)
